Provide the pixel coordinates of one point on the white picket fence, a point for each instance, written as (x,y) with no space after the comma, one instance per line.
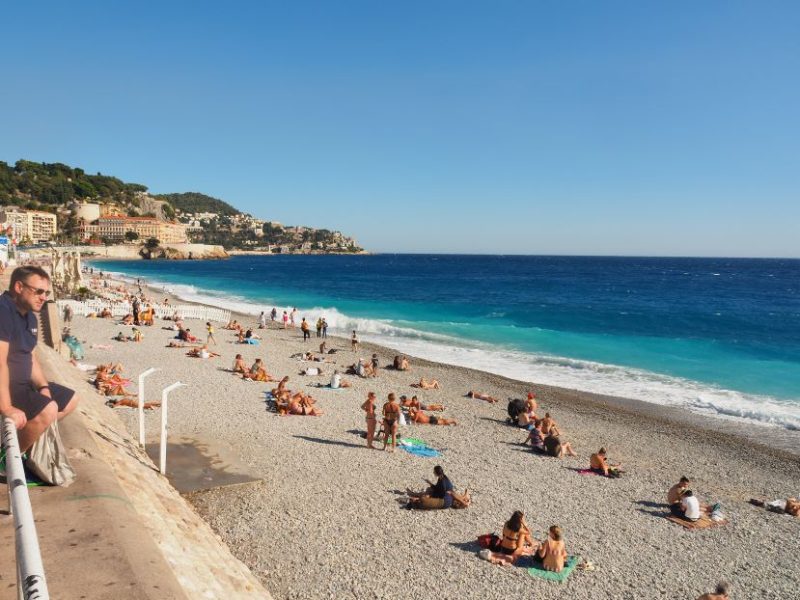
(120,309)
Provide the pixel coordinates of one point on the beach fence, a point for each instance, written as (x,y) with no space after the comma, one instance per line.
(121,308)
(31,583)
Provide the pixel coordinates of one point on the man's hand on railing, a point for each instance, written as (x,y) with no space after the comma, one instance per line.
(15,415)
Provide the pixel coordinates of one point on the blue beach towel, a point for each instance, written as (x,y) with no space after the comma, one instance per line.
(418,448)
(252,341)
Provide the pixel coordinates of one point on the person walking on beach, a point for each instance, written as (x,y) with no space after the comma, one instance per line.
(67,315)
(324,328)
(26,397)
(274,314)
(292,316)
(391,416)
(319,327)
(137,306)
(210,330)
(305,329)
(285,319)
(354,342)
(369,408)
(262,320)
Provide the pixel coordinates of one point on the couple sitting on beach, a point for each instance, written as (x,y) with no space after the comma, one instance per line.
(400,363)
(257,372)
(363,368)
(414,402)
(438,495)
(548,442)
(685,505)
(517,541)
(108,381)
(297,403)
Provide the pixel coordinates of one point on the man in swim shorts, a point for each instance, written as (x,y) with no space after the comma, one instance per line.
(26,397)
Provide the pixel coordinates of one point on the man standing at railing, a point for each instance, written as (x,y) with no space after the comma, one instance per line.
(25,395)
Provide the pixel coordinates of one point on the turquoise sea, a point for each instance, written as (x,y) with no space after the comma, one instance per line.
(719,336)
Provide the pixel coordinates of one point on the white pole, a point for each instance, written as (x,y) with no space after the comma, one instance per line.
(149,371)
(30,570)
(164,395)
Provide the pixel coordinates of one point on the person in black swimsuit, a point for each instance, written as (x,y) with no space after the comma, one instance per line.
(391,414)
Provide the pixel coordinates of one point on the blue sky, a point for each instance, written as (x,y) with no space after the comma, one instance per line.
(501,127)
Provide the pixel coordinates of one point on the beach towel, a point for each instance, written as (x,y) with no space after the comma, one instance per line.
(537,570)
(417,447)
(252,341)
(587,472)
(704,522)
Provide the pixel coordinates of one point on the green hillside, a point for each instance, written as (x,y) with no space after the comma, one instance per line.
(193,202)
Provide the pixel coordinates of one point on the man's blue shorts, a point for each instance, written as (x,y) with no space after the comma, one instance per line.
(31,402)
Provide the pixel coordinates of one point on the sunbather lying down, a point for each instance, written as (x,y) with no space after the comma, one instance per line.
(131,403)
(110,384)
(417,416)
(288,403)
(201,352)
(790,505)
(424,384)
(481,396)
(414,402)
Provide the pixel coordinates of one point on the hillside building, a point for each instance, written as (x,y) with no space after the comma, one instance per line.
(34,225)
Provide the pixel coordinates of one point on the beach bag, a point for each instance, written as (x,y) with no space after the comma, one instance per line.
(47,459)
(402,419)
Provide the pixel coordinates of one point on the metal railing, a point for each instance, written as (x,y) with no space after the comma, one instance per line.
(121,308)
(31,583)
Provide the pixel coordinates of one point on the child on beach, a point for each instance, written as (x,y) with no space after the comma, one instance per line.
(210,330)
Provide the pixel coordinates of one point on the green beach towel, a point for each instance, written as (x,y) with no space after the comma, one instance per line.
(409,441)
(539,571)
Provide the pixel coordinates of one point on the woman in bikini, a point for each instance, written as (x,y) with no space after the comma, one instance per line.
(239,365)
(480,396)
(369,408)
(391,414)
(552,551)
(516,541)
(424,384)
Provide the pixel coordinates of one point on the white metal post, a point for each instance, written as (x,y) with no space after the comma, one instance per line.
(149,371)
(164,395)
(30,570)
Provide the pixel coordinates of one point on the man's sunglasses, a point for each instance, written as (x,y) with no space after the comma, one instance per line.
(35,290)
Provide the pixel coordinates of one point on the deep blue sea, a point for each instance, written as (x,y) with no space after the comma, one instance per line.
(718,336)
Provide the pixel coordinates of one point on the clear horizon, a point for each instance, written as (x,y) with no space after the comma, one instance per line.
(494,128)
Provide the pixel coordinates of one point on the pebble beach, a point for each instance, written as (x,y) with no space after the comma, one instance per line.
(325,521)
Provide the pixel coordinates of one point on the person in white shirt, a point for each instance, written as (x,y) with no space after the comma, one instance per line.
(690,505)
(336,380)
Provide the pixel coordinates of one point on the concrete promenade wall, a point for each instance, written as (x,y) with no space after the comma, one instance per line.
(121,531)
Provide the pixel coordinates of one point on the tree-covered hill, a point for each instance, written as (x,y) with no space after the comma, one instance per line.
(195,202)
(48,185)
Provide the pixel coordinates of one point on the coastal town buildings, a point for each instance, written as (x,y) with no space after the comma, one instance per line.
(35,226)
(115,228)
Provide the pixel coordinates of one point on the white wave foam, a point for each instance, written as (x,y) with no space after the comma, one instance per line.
(544,369)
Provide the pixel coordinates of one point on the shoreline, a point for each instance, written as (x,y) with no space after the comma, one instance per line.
(321,484)
(780,438)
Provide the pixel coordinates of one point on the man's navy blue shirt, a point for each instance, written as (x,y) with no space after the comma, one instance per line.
(20,332)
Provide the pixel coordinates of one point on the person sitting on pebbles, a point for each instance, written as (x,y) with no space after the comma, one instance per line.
(552,551)
(480,396)
(424,384)
(674,496)
(258,372)
(599,464)
(554,447)
(438,495)
(516,542)
(239,365)
(549,425)
(401,363)
(420,418)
